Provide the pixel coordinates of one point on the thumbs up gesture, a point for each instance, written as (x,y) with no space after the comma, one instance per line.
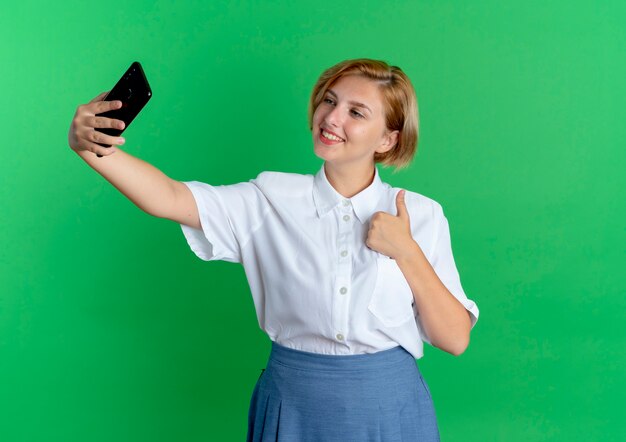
(389,234)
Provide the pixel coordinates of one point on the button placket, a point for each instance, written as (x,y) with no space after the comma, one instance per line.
(341,295)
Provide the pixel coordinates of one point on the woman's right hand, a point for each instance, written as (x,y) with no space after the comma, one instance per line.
(83,136)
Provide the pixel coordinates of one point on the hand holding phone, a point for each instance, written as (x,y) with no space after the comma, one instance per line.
(134,92)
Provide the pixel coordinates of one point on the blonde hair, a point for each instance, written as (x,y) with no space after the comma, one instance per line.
(399,103)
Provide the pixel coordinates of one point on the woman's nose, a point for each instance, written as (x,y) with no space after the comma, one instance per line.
(333,117)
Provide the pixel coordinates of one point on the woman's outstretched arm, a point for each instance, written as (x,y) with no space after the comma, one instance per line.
(145,185)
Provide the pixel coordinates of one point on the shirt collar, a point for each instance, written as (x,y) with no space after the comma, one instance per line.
(364,203)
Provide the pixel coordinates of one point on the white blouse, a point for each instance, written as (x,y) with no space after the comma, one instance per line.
(316,286)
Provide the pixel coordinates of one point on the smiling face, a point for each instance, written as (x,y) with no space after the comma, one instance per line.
(349,124)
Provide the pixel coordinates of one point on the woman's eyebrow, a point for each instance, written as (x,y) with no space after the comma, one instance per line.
(354,103)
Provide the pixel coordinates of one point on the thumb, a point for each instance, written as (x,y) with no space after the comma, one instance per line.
(401,205)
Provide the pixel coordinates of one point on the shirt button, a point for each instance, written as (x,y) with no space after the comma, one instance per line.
(339,336)
(346,217)
(346,202)
(343,290)
(344,253)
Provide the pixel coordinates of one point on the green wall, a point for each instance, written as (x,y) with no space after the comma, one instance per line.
(112,330)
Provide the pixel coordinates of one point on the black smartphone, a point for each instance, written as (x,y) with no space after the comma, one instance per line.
(134,92)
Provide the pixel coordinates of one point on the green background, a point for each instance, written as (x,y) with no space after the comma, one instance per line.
(112,330)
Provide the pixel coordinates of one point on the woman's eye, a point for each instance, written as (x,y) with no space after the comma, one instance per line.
(328,100)
(356,114)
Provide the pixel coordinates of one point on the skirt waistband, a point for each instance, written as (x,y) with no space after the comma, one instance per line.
(316,361)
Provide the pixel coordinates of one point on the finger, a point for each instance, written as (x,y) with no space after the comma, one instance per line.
(104,122)
(105,106)
(401,205)
(100,150)
(95,136)
(378,215)
(106,151)
(99,97)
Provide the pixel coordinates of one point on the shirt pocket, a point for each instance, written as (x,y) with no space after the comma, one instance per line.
(392,298)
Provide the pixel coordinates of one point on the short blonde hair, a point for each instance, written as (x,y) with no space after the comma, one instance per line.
(399,103)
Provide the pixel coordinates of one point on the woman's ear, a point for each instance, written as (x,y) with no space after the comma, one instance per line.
(390,139)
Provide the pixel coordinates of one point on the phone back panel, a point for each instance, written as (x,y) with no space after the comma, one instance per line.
(134,92)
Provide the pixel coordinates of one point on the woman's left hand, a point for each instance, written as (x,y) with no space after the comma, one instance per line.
(389,234)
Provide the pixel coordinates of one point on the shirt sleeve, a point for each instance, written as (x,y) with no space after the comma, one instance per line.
(228,216)
(442,260)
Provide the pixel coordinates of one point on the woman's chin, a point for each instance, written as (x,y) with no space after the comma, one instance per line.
(323,152)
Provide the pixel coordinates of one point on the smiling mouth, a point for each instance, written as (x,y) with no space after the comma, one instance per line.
(329,138)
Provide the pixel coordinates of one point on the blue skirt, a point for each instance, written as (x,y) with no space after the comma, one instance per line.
(310,397)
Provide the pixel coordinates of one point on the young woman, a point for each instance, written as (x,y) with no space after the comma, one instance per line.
(349,275)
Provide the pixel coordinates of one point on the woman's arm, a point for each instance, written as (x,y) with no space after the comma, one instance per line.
(445,320)
(145,185)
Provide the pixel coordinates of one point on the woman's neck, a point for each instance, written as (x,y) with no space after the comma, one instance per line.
(349,181)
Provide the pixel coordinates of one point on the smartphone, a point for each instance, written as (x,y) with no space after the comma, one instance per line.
(134,92)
